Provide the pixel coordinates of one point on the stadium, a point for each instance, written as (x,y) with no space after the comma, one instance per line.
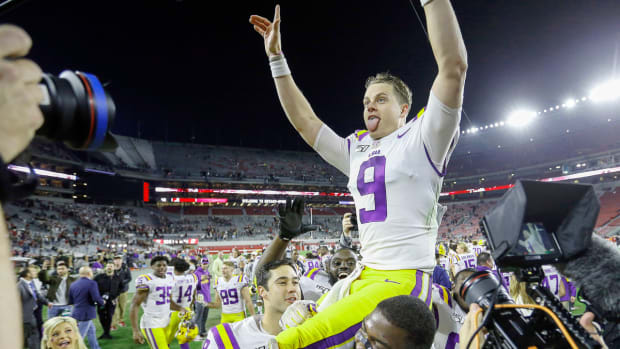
(195,197)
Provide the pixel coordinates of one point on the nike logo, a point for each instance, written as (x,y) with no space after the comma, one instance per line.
(394,282)
(402,134)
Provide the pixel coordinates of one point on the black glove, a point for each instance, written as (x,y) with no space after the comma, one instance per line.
(290,216)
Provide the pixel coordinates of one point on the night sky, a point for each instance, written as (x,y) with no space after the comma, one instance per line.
(196,70)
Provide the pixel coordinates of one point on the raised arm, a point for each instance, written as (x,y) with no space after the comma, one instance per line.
(295,105)
(440,124)
(449,51)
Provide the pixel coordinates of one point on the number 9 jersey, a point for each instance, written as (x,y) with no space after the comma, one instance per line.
(230,293)
(157,306)
(395,185)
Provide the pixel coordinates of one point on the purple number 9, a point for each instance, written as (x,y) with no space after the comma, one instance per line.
(376,187)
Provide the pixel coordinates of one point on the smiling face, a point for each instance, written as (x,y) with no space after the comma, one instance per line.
(282,289)
(159,268)
(383,113)
(341,265)
(63,336)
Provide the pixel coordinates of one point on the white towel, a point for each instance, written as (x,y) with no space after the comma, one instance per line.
(341,288)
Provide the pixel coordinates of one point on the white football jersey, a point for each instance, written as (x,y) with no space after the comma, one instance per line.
(313,264)
(552,280)
(230,293)
(448,318)
(464,261)
(444,262)
(395,186)
(157,306)
(245,334)
(184,289)
(477,249)
(314,284)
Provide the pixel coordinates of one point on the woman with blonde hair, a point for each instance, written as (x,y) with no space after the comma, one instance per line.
(61,332)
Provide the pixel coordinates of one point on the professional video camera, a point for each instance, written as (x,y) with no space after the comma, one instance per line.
(534,224)
(77,111)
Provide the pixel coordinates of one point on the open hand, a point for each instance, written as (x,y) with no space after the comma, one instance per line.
(269,31)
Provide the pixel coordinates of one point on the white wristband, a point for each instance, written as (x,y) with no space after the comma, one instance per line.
(424,2)
(279,67)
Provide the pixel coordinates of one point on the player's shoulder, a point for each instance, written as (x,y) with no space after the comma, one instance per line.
(144,281)
(231,332)
(312,273)
(442,294)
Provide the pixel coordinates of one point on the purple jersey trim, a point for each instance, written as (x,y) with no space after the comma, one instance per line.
(440,174)
(336,339)
(453,340)
(218,339)
(417,290)
(154,340)
(231,336)
(349,145)
(436,313)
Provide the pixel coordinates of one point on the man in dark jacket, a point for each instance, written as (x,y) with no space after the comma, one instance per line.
(58,292)
(109,287)
(83,294)
(31,300)
(124,274)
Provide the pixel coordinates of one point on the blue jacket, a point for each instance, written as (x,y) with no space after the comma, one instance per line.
(440,277)
(83,294)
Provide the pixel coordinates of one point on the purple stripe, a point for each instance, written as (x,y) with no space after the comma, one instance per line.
(336,339)
(231,336)
(441,174)
(218,339)
(429,295)
(349,145)
(436,313)
(363,135)
(453,339)
(418,284)
(154,340)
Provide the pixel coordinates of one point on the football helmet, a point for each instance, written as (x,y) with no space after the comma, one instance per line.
(187,329)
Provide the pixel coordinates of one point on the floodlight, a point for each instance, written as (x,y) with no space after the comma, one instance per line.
(570,103)
(607,91)
(521,118)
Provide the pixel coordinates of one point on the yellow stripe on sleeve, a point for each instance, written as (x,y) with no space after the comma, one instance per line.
(224,336)
(445,295)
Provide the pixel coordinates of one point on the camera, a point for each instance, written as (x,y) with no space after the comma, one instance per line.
(534,224)
(78,111)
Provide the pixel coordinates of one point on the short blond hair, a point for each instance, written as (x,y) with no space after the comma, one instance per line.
(402,91)
(51,324)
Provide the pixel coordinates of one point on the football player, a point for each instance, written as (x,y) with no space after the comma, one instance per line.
(153,294)
(278,286)
(183,295)
(464,259)
(231,290)
(450,310)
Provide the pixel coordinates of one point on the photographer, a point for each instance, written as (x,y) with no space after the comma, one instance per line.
(20,117)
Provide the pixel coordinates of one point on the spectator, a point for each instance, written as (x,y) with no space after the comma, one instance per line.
(218,263)
(61,329)
(109,284)
(38,285)
(31,300)
(123,272)
(203,296)
(58,292)
(84,294)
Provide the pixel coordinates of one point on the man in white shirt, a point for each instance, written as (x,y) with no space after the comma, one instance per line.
(278,286)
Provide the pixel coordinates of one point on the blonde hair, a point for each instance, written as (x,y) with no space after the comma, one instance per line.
(51,324)
(519,289)
(463,246)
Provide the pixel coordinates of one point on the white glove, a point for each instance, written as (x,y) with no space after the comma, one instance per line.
(297,313)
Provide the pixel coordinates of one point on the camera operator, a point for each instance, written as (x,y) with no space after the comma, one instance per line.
(20,117)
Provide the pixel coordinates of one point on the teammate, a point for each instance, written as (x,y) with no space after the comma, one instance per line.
(183,294)
(153,293)
(450,310)
(278,286)
(553,282)
(463,260)
(395,172)
(230,291)
(312,261)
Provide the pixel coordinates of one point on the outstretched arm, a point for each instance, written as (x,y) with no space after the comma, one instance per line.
(441,124)
(295,105)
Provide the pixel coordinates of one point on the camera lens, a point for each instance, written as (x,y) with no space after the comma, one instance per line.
(78,111)
(479,288)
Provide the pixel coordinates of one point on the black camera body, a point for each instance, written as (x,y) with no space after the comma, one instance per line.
(534,224)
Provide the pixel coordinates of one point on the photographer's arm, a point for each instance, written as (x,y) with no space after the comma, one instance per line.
(472,321)
(20,116)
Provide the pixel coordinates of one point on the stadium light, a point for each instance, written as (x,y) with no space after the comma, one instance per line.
(607,91)
(570,103)
(521,118)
